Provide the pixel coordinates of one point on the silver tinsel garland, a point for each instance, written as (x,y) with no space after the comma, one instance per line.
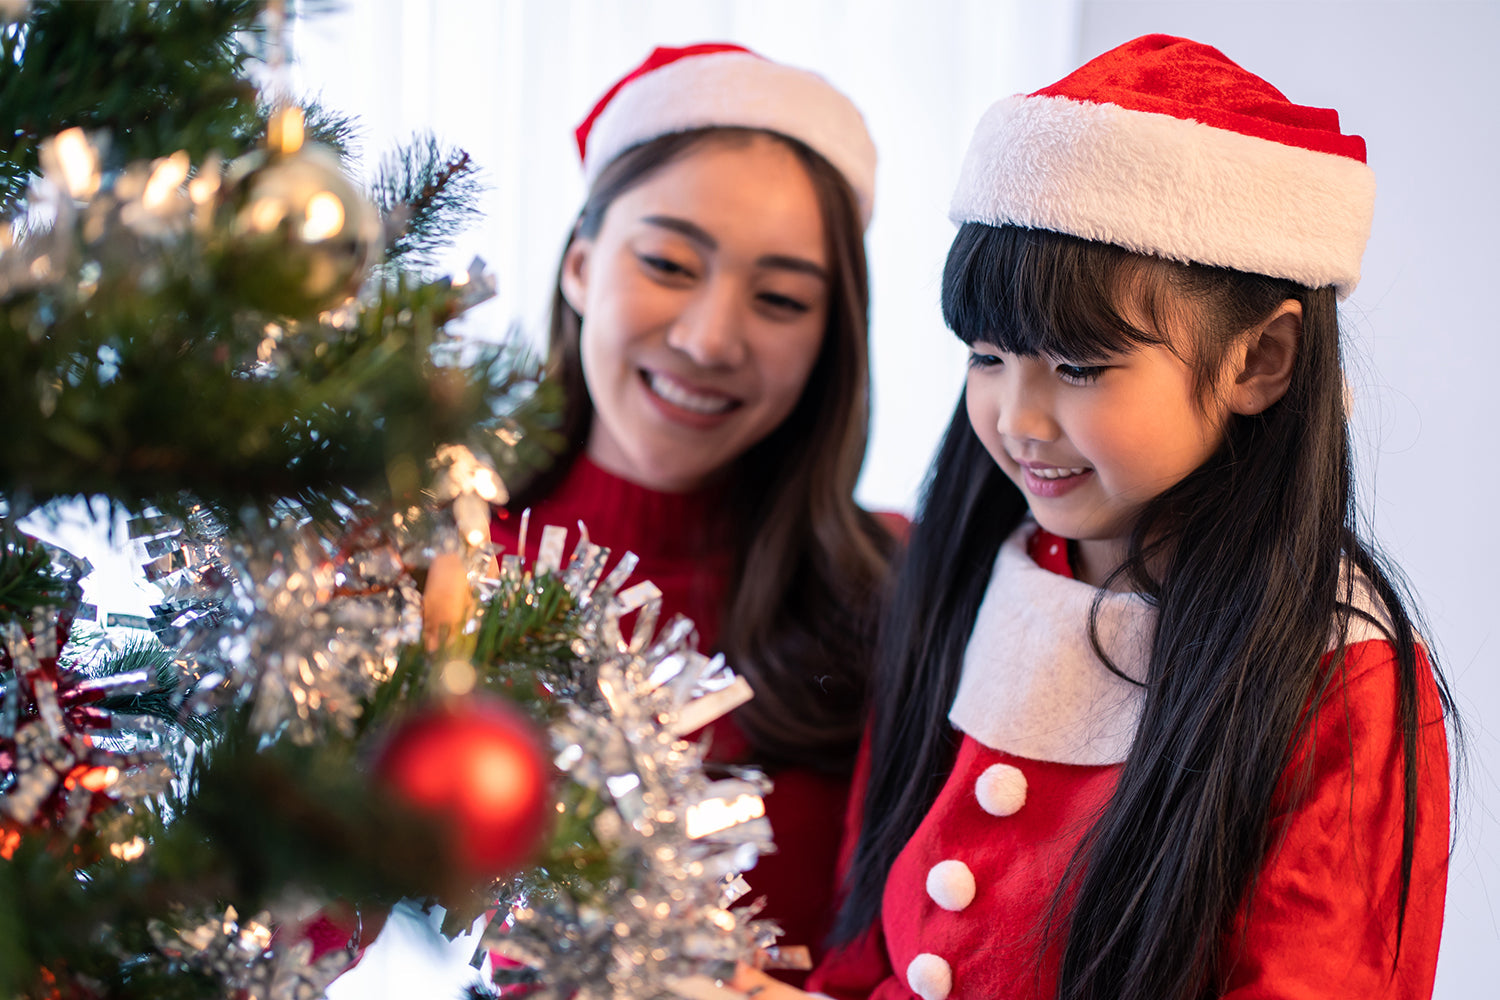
(246,957)
(303,626)
(664,922)
(69,762)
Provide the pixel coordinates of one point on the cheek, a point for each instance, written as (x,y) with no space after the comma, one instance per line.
(608,330)
(983,408)
(596,357)
(984,417)
(787,365)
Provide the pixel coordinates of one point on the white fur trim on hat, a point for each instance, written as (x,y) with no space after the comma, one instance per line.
(738,89)
(1156,184)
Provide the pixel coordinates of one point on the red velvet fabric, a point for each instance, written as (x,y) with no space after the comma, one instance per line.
(684,542)
(1320,923)
(1164,75)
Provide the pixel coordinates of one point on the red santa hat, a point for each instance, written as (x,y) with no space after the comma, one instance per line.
(1164,146)
(700,86)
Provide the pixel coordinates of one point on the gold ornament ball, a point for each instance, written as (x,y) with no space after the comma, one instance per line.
(303,235)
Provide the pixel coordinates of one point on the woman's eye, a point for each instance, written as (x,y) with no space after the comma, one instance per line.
(978,359)
(1081,374)
(664,266)
(784,303)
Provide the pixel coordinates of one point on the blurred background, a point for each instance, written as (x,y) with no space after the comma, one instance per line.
(507,80)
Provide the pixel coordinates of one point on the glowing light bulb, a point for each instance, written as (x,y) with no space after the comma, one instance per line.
(78,162)
(165,179)
(129,850)
(323,218)
(285,131)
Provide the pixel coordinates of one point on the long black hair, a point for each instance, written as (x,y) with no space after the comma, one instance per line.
(810,565)
(1242,561)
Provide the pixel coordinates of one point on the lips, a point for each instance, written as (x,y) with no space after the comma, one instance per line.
(1050,472)
(689,406)
(1053,480)
(692,400)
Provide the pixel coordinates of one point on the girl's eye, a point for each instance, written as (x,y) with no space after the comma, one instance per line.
(980,360)
(1081,374)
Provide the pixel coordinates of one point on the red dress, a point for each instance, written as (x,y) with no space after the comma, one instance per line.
(685,545)
(1046,729)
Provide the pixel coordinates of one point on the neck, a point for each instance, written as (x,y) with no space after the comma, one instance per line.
(1095,559)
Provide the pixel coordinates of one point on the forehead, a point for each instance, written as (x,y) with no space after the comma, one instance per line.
(744,189)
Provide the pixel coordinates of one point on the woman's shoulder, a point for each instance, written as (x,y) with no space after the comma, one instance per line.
(896,524)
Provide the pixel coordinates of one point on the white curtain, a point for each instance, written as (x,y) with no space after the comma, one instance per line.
(507,80)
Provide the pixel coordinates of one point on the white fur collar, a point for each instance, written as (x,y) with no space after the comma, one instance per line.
(1032,684)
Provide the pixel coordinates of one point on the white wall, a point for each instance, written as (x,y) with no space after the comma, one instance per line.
(1418,78)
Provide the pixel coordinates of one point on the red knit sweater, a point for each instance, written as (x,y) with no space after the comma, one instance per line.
(685,545)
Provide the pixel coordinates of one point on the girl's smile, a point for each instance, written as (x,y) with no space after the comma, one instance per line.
(1089,446)
(1051,480)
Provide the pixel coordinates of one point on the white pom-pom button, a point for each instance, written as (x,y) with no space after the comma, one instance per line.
(929,977)
(1001,790)
(951,885)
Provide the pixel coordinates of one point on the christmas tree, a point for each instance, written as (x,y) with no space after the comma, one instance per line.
(342,699)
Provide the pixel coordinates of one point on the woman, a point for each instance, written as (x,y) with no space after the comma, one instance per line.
(709,333)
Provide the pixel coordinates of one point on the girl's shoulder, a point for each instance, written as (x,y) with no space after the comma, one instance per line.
(1369,617)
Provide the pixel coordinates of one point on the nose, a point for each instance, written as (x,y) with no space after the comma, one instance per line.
(1026,412)
(711,328)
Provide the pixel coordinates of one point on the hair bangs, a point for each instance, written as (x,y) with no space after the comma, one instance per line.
(1032,292)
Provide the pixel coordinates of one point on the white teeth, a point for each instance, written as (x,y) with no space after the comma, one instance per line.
(1056,473)
(680,395)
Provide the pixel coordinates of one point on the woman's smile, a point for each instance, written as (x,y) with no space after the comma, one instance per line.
(679,395)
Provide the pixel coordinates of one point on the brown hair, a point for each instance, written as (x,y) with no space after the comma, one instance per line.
(799,613)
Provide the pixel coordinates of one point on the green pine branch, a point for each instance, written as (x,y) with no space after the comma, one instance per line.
(432,193)
(157,77)
(28,579)
(153,76)
(162,701)
(141,393)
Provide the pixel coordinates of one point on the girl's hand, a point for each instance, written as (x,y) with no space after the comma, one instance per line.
(754,983)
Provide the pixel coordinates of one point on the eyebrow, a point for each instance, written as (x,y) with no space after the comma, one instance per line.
(699,235)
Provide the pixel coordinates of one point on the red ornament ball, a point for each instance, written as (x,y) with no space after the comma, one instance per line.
(478,764)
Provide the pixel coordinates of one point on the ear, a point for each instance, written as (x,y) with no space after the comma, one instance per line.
(1266,355)
(573,278)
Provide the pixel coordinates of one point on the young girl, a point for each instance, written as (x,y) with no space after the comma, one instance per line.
(1150,720)
(709,334)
